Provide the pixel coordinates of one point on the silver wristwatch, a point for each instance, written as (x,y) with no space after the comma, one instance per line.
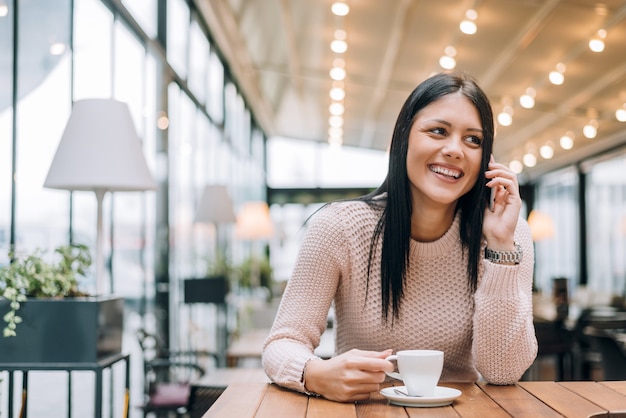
(505,257)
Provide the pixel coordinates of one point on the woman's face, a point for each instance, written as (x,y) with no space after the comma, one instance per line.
(444,151)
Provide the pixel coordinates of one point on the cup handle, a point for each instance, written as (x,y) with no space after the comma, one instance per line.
(395,375)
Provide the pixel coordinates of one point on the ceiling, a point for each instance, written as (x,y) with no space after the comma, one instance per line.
(278,51)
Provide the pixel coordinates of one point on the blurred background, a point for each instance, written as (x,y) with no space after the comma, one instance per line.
(250,114)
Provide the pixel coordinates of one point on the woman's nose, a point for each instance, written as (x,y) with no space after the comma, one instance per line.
(452,148)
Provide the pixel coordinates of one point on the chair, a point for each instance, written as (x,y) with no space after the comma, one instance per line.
(168,375)
(553,339)
(587,357)
(613,356)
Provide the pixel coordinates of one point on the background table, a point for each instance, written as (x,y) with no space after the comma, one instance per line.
(525,399)
(96,367)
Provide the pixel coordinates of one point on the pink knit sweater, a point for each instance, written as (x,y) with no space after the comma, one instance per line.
(486,333)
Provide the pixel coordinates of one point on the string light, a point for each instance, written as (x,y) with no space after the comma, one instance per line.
(447,61)
(337,93)
(505,118)
(339,45)
(557,76)
(516,166)
(529,159)
(596,44)
(620,114)
(335,121)
(567,140)
(590,130)
(340,8)
(468,25)
(527,100)
(336,108)
(547,151)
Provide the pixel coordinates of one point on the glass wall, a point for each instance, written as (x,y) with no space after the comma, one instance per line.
(557,253)
(593,260)
(606,225)
(179,111)
(6,125)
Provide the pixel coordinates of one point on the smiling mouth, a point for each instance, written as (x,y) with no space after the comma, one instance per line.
(454,174)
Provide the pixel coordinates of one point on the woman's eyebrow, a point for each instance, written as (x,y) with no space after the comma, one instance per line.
(445,122)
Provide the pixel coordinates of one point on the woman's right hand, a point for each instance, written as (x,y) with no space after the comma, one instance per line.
(348,377)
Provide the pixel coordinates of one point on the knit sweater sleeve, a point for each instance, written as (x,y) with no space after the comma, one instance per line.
(301,317)
(504,344)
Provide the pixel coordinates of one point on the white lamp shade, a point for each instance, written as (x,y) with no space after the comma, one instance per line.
(254,222)
(215,205)
(100,150)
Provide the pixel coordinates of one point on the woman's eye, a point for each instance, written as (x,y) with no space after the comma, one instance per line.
(438,131)
(474,140)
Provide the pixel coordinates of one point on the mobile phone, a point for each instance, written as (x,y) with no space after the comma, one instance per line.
(492,198)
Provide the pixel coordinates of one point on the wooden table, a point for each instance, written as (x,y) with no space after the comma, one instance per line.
(249,345)
(525,399)
(226,376)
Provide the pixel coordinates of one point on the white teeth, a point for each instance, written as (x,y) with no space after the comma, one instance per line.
(445,171)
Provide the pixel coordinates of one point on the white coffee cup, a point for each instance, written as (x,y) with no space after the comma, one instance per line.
(420,370)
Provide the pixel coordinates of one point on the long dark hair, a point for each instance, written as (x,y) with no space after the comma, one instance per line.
(394,224)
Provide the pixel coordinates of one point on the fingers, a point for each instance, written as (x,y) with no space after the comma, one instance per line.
(371,360)
(350,376)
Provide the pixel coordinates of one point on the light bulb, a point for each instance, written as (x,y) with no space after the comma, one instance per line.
(526,101)
(567,141)
(340,8)
(620,114)
(596,45)
(505,119)
(447,62)
(337,93)
(546,151)
(339,46)
(516,166)
(335,121)
(529,159)
(468,27)
(337,73)
(336,108)
(556,78)
(590,130)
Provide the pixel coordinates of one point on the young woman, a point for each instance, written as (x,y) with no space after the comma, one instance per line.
(423,262)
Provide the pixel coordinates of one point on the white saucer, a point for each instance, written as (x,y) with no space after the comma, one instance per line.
(443,396)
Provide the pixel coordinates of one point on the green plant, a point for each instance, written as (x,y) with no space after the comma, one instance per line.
(255,265)
(31,275)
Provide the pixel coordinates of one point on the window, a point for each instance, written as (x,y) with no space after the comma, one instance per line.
(557,254)
(606,225)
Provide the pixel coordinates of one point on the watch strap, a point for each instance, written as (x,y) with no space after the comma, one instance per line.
(505,257)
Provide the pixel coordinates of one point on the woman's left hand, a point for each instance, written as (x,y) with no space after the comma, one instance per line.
(499,224)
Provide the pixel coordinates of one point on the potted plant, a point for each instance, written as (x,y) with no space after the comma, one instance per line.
(48,318)
(255,266)
(214,286)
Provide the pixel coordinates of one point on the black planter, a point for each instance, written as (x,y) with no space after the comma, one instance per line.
(212,289)
(72,330)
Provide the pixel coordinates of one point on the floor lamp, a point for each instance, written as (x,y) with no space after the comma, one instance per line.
(100,152)
(215,207)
